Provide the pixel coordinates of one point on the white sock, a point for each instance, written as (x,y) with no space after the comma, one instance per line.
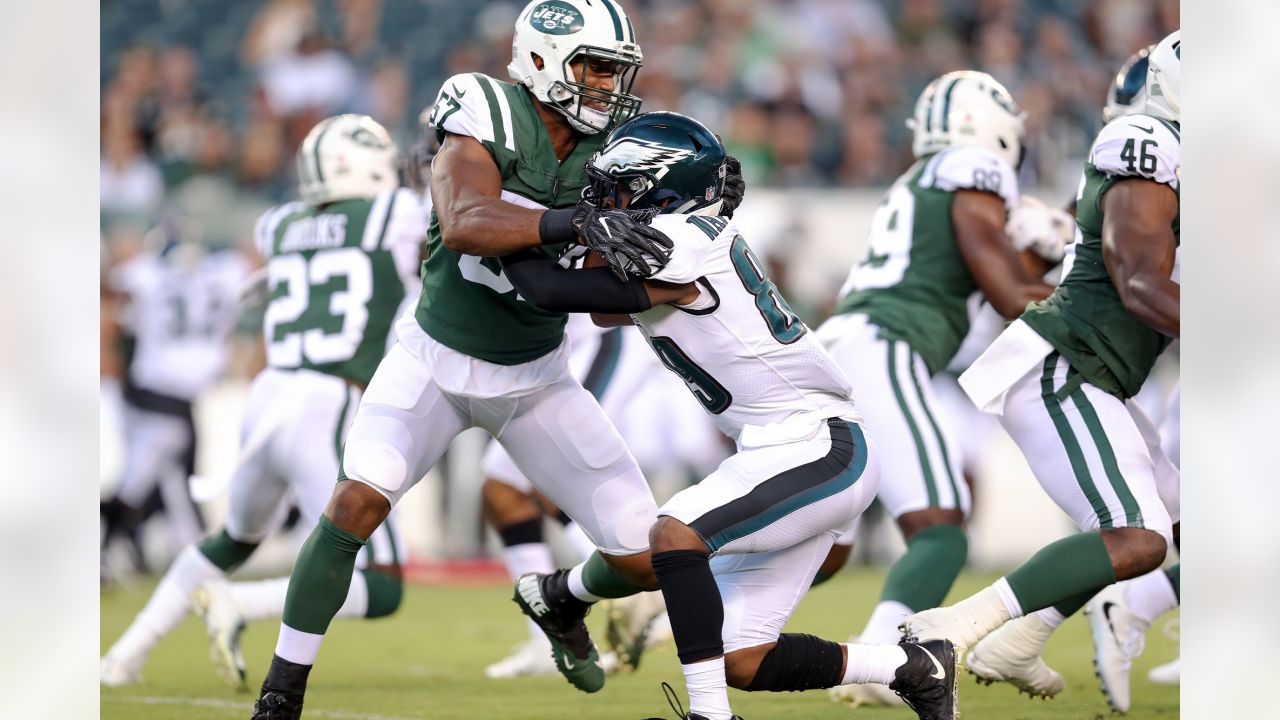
(168,605)
(882,626)
(357,603)
(1050,617)
(260,599)
(577,588)
(1008,599)
(1150,596)
(297,646)
(529,558)
(872,663)
(578,540)
(708,689)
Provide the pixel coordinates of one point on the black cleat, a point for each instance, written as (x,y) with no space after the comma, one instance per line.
(571,647)
(927,681)
(277,705)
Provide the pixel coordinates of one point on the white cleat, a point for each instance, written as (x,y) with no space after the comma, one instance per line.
(866,695)
(532,658)
(631,622)
(114,672)
(1118,638)
(1169,673)
(964,623)
(224,625)
(1012,654)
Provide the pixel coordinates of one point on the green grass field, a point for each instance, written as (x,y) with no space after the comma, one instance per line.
(426,662)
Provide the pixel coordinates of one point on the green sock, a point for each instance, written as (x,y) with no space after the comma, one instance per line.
(923,575)
(1062,572)
(1174,574)
(321,577)
(385,593)
(1072,605)
(601,580)
(224,552)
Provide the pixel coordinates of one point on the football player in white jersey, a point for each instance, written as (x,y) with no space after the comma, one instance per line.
(339,263)
(735,553)
(178,302)
(1062,377)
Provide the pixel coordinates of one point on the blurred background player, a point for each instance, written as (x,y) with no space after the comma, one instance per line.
(938,236)
(174,305)
(339,263)
(1062,378)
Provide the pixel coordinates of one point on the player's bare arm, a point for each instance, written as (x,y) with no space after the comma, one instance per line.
(1139,247)
(466,188)
(979,220)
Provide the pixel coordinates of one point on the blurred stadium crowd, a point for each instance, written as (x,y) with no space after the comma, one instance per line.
(205,101)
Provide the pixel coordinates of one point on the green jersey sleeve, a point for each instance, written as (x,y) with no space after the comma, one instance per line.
(474,105)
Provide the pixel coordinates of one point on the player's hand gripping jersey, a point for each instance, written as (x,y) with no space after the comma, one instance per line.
(914,282)
(1085,319)
(336,275)
(467,303)
(741,350)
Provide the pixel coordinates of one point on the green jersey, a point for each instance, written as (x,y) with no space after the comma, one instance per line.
(1085,319)
(336,275)
(467,304)
(914,283)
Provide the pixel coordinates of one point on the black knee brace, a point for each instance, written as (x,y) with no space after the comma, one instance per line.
(799,662)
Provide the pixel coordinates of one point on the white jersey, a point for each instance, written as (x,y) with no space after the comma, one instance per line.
(741,350)
(181,317)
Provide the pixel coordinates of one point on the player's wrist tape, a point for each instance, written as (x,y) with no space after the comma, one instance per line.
(556,226)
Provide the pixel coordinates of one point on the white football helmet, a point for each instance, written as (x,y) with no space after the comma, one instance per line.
(561,31)
(346,156)
(966,107)
(1164,78)
(1128,93)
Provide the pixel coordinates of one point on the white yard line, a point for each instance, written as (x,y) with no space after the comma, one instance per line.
(241,707)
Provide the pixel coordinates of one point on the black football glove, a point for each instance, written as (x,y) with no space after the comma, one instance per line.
(734,186)
(624,238)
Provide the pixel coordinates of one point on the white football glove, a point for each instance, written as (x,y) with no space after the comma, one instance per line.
(1043,230)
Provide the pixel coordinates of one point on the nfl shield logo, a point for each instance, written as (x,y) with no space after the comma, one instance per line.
(711,191)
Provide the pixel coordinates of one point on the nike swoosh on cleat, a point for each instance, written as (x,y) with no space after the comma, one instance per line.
(1149,131)
(1106,613)
(940,674)
(568,659)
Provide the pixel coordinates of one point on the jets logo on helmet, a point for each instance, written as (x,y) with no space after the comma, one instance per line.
(346,156)
(556,17)
(556,40)
(968,108)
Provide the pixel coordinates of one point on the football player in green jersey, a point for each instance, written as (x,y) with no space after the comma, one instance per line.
(1119,615)
(1062,378)
(938,237)
(338,264)
(508,176)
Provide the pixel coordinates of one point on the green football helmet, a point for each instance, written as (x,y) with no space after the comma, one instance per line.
(663,161)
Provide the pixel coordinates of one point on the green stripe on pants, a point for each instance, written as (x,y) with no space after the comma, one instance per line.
(921,452)
(1078,465)
(937,431)
(1133,516)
